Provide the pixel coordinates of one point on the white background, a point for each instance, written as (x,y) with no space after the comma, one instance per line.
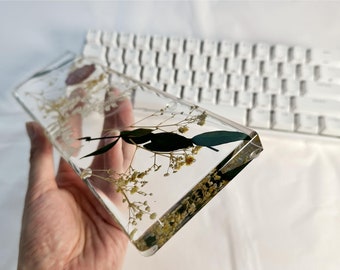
(281,212)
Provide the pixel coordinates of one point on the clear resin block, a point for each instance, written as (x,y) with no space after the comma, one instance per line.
(151,159)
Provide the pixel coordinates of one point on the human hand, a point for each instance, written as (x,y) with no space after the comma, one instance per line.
(63,225)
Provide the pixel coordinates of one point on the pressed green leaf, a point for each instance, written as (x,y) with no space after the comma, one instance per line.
(102,149)
(136,136)
(167,142)
(213,138)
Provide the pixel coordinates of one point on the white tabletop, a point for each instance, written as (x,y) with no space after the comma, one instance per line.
(281,212)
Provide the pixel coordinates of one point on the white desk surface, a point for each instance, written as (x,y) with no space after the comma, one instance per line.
(281,212)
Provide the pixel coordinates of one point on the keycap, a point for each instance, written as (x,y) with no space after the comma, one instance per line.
(209,47)
(244,99)
(166,75)
(184,77)
(326,74)
(284,121)
(262,52)
(158,43)
(251,67)
(244,50)
(133,71)
(192,46)
(307,123)
(201,79)
(174,90)
(227,49)
(297,55)
(125,40)
(234,65)
(317,107)
(216,64)
(269,68)
(150,74)
(272,85)
(236,82)
(290,87)
(109,39)
(93,36)
(320,90)
(254,84)
(260,118)
(98,52)
(279,53)
(208,95)
(115,55)
(287,70)
(281,103)
(176,45)
(148,58)
(190,93)
(142,42)
(323,57)
(305,72)
(262,101)
(117,66)
(165,59)
(330,126)
(199,62)
(182,61)
(131,57)
(226,97)
(219,80)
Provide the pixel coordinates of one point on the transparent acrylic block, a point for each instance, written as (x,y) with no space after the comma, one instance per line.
(151,159)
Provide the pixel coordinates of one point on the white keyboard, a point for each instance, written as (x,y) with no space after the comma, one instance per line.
(273,87)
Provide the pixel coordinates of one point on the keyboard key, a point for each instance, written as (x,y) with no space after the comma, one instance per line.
(125,40)
(174,90)
(283,121)
(320,90)
(323,57)
(297,55)
(305,72)
(254,84)
(115,55)
(158,43)
(218,80)
(216,64)
(117,66)
(207,95)
(227,49)
(234,65)
(192,46)
(236,82)
(109,39)
(279,53)
(148,58)
(131,56)
(244,50)
(316,107)
(263,101)
(260,118)
(244,99)
(98,52)
(165,59)
(176,45)
(251,67)
(184,77)
(262,52)
(226,97)
(182,61)
(290,87)
(190,93)
(150,74)
(269,69)
(287,70)
(236,114)
(209,47)
(167,75)
(199,62)
(330,126)
(133,71)
(272,85)
(142,42)
(201,79)
(281,103)
(326,74)
(307,123)
(93,36)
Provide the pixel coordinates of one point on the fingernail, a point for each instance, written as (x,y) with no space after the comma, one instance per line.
(31,131)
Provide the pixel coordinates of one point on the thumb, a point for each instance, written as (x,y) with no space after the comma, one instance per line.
(41,174)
